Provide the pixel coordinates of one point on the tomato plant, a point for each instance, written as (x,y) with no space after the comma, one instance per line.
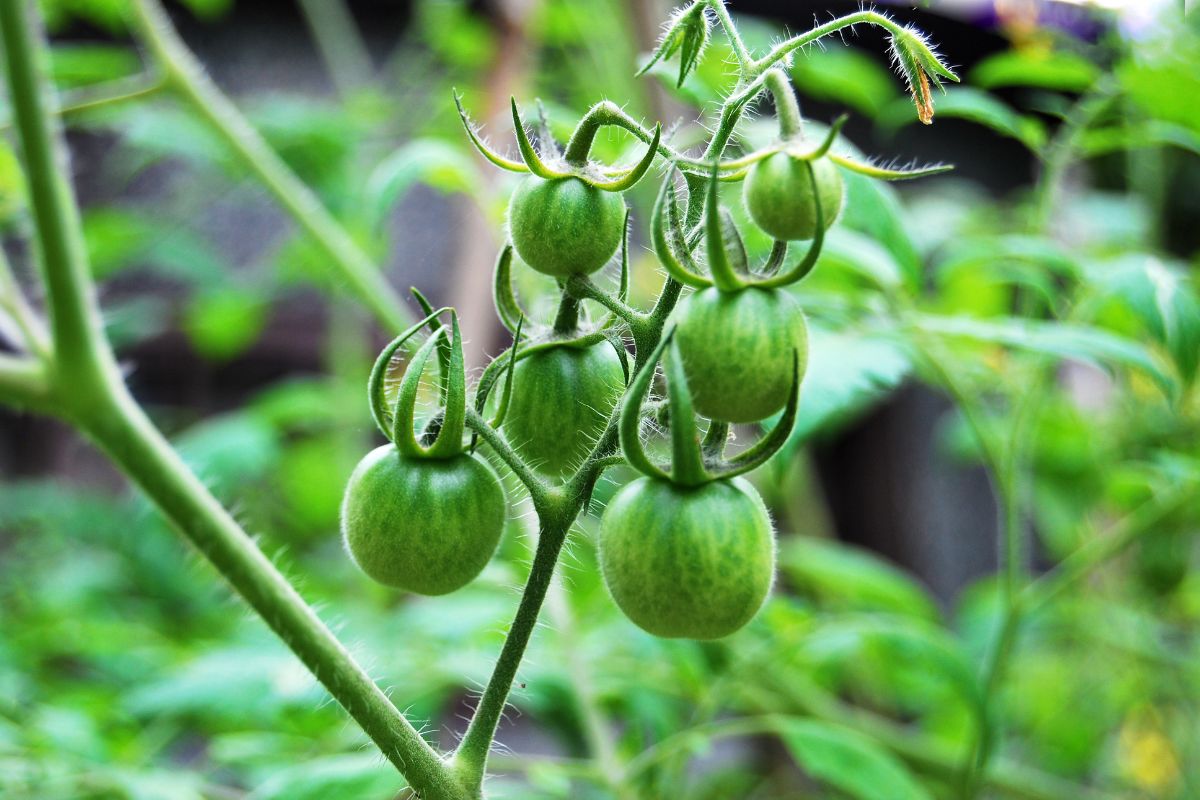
(616,459)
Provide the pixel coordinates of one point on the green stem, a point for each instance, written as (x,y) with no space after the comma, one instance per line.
(187,77)
(74,326)
(86,387)
(582,288)
(784,49)
(787,109)
(121,429)
(332,27)
(29,325)
(108,93)
(566,321)
(470,760)
(740,52)
(539,492)
(23,383)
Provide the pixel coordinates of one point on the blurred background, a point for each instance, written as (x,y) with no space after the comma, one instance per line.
(127,671)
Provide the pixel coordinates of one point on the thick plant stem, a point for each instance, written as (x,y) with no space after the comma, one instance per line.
(185,75)
(121,429)
(84,385)
(470,760)
(75,330)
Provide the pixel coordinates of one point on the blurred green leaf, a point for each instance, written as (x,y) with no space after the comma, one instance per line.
(845,76)
(1078,342)
(852,763)
(82,64)
(873,207)
(223,323)
(1036,67)
(350,775)
(1161,297)
(848,251)
(848,372)
(973,105)
(845,578)
(433,162)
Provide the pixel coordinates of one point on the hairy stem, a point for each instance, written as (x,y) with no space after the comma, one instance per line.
(185,75)
(121,429)
(470,760)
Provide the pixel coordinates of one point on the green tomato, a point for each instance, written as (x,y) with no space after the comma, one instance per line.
(737,351)
(561,399)
(425,525)
(687,562)
(781,199)
(564,226)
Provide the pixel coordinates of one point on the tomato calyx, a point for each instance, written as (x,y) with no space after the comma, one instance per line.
(442,436)
(552,163)
(694,462)
(727,262)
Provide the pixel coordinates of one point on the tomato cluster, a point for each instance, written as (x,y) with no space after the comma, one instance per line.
(688,549)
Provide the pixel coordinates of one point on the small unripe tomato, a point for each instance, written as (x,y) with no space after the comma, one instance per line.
(425,525)
(561,400)
(688,562)
(564,226)
(780,198)
(737,351)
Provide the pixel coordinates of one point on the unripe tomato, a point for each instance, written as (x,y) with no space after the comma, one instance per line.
(561,399)
(565,226)
(780,197)
(426,525)
(688,562)
(737,351)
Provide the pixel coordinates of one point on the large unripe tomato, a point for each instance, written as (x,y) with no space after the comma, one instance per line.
(780,196)
(737,351)
(565,226)
(425,525)
(688,562)
(561,399)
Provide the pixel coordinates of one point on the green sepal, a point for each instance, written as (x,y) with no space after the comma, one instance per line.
(761,451)
(528,154)
(634,175)
(724,274)
(506,395)
(889,173)
(665,227)
(687,460)
(448,441)
(629,424)
(687,32)
(623,287)
(503,297)
(375,383)
(434,325)
(491,155)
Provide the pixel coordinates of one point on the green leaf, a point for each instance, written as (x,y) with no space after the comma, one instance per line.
(223,323)
(848,372)
(1068,341)
(872,207)
(1161,297)
(922,650)
(1036,68)
(843,577)
(1136,135)
(349,775)
(846,77)
(430,161)
(848,761)
(973,105)
(854,252)
(82,64)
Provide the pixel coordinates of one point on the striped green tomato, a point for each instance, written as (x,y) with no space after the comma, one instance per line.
(424,525)
(737,351)
(688,562)
(564,226)
(779,195)
(561,399)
